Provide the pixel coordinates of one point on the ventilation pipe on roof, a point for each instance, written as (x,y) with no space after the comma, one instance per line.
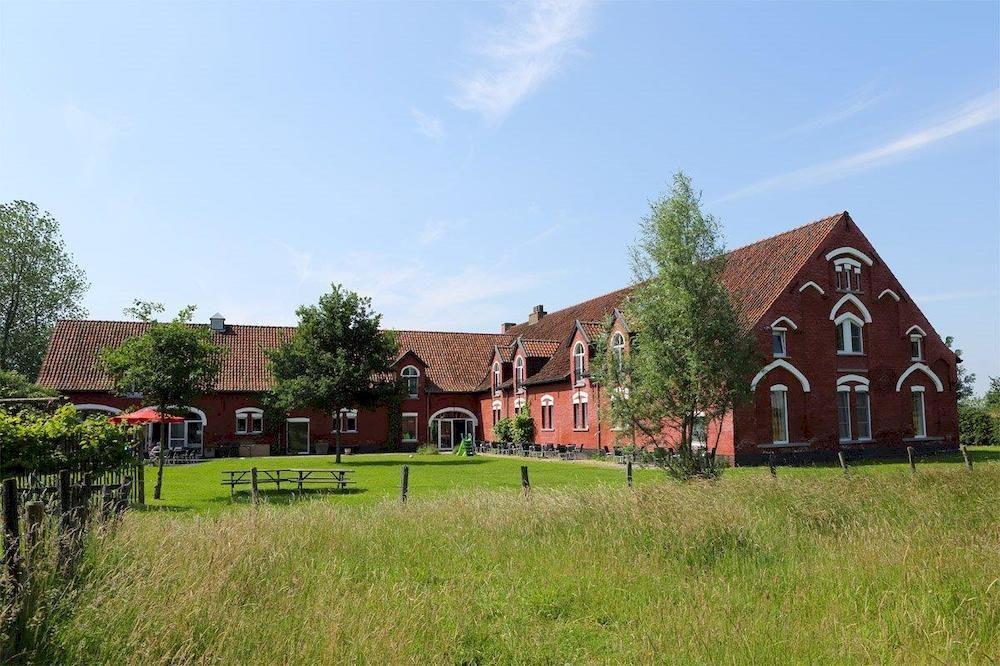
(537,313)
(217,323)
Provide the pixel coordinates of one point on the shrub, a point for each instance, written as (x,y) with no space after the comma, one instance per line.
(693,463)
(38,442)
(522,427)
(503,430)
(975,427)
(427,449)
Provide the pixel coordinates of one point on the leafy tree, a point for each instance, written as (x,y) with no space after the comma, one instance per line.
(966,380)
(338,358)
(169,365)
(15,385)
(503,430)
(689,359)
(522,426)
(39,283)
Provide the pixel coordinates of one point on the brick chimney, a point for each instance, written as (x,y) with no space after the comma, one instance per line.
(537,313)
(506,326)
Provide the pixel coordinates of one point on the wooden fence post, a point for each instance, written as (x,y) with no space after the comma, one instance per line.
(628,473)
(913,462)
(525,483)
(11,531)
(843,463)
(140,478)
(106,505)
(253,485)
(774,469)
(123,496)
(965,454)
(65,515)
(34,515)
(404,483)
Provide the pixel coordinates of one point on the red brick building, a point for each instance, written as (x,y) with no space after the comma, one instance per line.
(847,361)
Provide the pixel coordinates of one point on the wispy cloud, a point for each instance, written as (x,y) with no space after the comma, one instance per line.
(432,231)
(528,49)
(853,105)
(428,125)
(981,111)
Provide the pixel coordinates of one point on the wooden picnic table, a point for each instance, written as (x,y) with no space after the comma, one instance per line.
(242,477)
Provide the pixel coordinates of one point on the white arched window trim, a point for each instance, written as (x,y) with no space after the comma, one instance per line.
(580,396)
(461,410)
(412,376)
(519,372)
(193,410)
(813,285)
(497,377)
(248,414)
(849,316)
(780,363)
(497,405)
(922,367)
(93,407)
(778,322)
(846,379)
(915,330)
(851,298)
(843,261)
(547,400)
(519,403)
(849,251)
(890,292)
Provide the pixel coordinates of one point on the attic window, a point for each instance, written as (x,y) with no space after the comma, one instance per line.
(519,371)
(412,378)
(496,376)
(916,347)
(778,342)
(848,273)
(618,348)
(579,362)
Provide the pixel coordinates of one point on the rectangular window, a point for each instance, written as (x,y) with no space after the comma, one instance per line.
(348,422)
(778,343)
(546,417)
(241,424)
(496,414)
(579,416)
(862,412)
(699,432)
(856,345)
(844,415)
(256,423)
(840,338)
(919,421)
(409,427)
(916,353)
(779,417)
(849,338)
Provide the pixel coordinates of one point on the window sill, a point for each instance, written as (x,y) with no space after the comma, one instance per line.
(548,429)
(780,355)
(845,353)
(412,397)
(782,445)
(581,429)
(409,441)
(344,432)
(866,440)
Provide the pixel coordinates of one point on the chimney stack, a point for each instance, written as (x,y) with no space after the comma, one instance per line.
(217,322)
(506,326)
(537,313)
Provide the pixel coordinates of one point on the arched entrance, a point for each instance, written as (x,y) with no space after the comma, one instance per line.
(187,436)
(448,426)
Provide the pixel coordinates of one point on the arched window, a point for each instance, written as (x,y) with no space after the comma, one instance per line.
(848,274)
(497,409)
(249,421)
(852,396)
(519,372)
(519,404)
(547,406)
(579,361)
(412,378)
(580,421)
(497,377)
(916,343)
(849,337)
(618,348)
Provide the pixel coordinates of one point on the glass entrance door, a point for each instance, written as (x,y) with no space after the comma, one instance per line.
(444,435)
(297,436)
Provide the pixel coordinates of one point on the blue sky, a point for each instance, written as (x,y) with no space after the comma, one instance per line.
(462,162)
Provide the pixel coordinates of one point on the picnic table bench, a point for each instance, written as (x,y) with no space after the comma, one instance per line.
(243,477)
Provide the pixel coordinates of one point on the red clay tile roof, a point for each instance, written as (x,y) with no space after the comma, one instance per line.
(593,329)
(506,353)
(455,361)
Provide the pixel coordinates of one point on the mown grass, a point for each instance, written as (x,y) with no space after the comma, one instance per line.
(882,566)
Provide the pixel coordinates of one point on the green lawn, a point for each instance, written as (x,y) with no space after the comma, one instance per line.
(198,487)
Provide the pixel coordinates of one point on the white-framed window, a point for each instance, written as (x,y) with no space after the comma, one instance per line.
(848,274)
(844,413)
(850,339)
(779,346)
(408,421)
(699,432)
(863,412)
(580,420)
(249,421)
(779,414)
(579,361)
(497,376)
(548,404)
(618,348)
(519,404)
(919,416)
(519,372)
(348,421)
(497,410)
(916,347)
(411,376)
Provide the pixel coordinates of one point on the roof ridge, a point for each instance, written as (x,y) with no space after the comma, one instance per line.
(789,231)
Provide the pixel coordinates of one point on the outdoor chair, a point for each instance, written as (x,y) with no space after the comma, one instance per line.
(562,451)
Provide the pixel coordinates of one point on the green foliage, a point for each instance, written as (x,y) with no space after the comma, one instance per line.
(975,426)
(44,443)
(15,385)
(427,449)
(337,358)
(39,283)
(522,427)
(503,430)
(966,380)
(689,356)
(170,364)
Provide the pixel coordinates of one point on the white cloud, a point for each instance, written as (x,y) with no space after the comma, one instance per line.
(428,125)
(984,110)
(855,104)
(432,231)
(528,49)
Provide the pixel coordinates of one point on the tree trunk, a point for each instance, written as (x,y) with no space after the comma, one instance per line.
(336,437)
(160,457)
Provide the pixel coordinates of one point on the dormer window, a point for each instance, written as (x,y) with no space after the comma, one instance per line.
(618,349)
(519,372)
(497,377)
(412,378)
(579,361)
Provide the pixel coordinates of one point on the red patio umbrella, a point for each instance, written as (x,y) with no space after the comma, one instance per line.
(146,415)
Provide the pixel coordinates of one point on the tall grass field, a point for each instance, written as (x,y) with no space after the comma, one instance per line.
(884,567)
